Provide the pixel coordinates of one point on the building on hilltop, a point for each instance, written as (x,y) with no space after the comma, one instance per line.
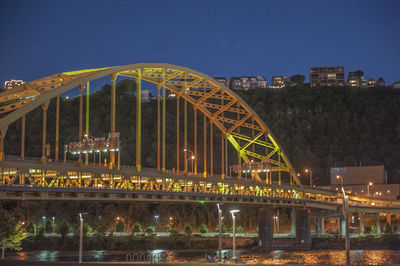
(371,83)
(277,82)
(396,85)
(235,83)
(245,82)
(352,79)
(363,83)
(11,84)
(261,82)
(222,80)
(327,76)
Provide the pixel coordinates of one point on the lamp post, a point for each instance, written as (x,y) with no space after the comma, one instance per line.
(81,236)
(369,184)
(191,157)
(156,217)
(309,171)
(346,220)
(219,232)
(234,229)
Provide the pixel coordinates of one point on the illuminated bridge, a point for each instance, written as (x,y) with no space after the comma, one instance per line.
(262,173)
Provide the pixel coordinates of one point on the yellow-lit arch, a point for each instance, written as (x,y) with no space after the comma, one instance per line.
(241,125)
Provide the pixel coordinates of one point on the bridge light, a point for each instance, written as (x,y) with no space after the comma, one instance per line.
(201,201)
(308,211)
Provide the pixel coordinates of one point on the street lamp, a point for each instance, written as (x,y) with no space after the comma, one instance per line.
(191,157)
(156,217)
(234,240)
(219,232)
(346,220)
(309,171)
(81,236)
(369,184)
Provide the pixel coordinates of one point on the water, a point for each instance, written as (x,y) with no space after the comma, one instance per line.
(278,257)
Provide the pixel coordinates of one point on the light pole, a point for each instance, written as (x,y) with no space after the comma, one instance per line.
(309,171)
(219,231)
(191,157)
(233,229)
(81,236)
(346,220)
(369,184)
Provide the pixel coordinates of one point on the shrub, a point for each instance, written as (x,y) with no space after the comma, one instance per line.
(239,229)
(150,230)
(188,229)
(224,229)
(387,229)
(63,228)
(137,228)
(203,229)
(373,230)
(173,231)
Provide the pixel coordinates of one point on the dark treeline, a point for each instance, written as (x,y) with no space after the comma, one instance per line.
(317,127)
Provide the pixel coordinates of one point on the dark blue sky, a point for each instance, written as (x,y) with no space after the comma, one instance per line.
(219,38)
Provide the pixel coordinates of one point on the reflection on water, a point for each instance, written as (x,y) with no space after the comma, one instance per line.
(277,257)
(316,257)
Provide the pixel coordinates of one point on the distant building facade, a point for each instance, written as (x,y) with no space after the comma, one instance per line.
(371,83)
(327,76)
(352,79)
(245,83)
(396,85)
(145,96)
(235,83)
(364,181)
(11,84)
(277,82)
(222,80)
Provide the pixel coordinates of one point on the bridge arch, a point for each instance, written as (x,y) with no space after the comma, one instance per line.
(238,122)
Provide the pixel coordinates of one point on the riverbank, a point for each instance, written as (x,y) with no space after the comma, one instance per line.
(183,241)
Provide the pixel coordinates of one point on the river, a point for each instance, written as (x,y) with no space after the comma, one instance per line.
(278,257)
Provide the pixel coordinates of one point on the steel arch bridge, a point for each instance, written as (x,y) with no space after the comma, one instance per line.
(237,121)
(273,182)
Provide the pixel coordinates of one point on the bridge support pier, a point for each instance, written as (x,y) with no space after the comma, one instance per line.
(362,223)
(378,225)
(265,227)
(293,222)
(342,227)
(303,232)
(318,226)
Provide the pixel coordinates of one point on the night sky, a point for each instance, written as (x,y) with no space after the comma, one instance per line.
(219,38)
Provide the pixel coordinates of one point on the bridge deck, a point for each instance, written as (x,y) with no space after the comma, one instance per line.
(31,180)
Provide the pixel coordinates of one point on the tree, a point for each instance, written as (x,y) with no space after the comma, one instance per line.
(297,80)
(188,229)
(150,230)
(203,229)
(63,228)
(119,227)
(359,74)
(137,228)
(11,233)
(239,229)
(387,229)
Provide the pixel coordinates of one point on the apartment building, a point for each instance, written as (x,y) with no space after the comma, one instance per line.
(371,83)
(327,76)
(277,82)
(235,83)
(222,80)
